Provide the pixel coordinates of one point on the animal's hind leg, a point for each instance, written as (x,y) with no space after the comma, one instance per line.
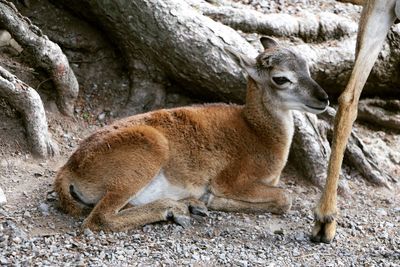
(108,216)
(133,158)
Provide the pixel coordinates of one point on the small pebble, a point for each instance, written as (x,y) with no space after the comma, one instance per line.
(44,208)
(381,212)
(101,116)
(87,232)
(3,199)
(279,232)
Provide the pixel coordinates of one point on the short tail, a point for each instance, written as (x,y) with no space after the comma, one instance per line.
(68,202)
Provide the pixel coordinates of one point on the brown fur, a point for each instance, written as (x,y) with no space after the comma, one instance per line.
(229,156)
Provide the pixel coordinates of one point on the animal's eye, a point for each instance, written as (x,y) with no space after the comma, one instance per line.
(280,80)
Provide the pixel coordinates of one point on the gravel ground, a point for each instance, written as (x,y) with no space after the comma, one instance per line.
(367,236)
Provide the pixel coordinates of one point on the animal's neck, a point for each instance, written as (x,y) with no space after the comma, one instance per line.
(266,117)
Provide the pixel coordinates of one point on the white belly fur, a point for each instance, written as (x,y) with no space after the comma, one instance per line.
(158,188)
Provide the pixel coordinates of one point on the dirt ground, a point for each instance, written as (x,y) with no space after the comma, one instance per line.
(33,232)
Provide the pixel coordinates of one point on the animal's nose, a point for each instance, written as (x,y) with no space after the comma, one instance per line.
(323,97)
(320,94)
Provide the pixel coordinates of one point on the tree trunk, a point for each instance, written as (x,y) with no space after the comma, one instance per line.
(186,46)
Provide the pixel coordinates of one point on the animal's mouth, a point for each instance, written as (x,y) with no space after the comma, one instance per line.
(319,109)
(323,106)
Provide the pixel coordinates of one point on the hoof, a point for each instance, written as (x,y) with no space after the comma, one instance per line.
(323,232)
(198,210)
(181,220)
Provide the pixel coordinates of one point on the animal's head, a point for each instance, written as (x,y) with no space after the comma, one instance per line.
(285,77)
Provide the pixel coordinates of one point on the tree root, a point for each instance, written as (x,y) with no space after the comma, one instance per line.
(311,149)
(311,144)
(308,27)
(47,54)
(385,113)
(356,155)
(186,46)
(27,101)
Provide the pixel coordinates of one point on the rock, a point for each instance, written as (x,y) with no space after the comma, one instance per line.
(16,46)
(5,38)
(147,228)
(195,256)
(384,235)
(15,231)
(101,116)
(3,261)
(17,240)
(242,263)
(381,212)
(296,252)
(3,199)
(87,232)
(279,232)
(51,196)
(44,208)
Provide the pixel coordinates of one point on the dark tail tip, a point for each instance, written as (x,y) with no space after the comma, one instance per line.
(77,197)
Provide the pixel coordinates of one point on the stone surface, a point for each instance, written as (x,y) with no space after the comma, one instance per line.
(3,199)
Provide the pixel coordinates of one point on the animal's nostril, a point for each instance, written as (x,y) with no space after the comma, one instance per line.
(323,97)
(319,93)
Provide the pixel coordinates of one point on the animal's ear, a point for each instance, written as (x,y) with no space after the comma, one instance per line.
(249,64)
(268,42)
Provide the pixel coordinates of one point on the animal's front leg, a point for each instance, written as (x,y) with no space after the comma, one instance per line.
(253,198)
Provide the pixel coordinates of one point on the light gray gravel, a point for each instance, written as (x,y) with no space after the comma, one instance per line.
(35,233)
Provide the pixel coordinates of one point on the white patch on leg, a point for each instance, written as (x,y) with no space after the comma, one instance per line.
(158,188)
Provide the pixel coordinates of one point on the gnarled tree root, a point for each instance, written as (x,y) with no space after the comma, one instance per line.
(311,150)
(356,155)
(27,101)
(385,113)
(309,27)
(47,54)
